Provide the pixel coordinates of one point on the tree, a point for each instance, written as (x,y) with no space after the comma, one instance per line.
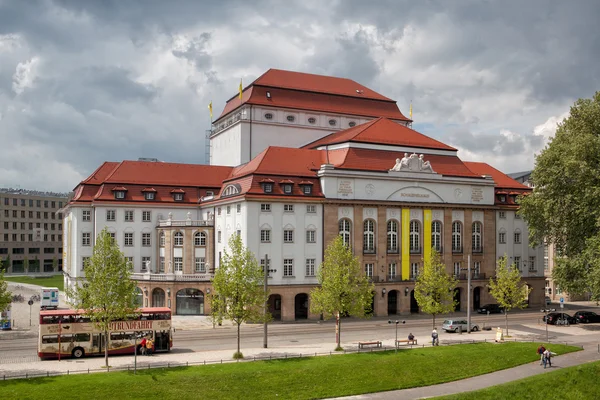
(26,265)
(55,265)
(108,293)
(564,207)
(344,289)
(434,288)
(508,289)
(5,295)
(7,263)
(238,288)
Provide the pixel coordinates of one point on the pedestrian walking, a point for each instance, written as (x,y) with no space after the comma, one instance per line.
(548,358)
(149,347)
(434,338)
(540,352)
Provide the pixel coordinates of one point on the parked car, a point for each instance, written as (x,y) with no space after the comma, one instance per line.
(586,316)
(558,318)
(454,325)
(492,308)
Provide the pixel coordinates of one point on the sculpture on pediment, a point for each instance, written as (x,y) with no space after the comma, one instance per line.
(413,163)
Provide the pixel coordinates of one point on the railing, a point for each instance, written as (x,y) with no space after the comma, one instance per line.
(189,222)
(171,277)
(374,279)
(473,276)
(394,278)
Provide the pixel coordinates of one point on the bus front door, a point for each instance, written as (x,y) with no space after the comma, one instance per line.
(98,343)
(161,342)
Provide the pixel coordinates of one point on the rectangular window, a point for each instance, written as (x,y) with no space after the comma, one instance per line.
(51,238)
(30,214)
(146,239)
(6,213)
(18,250)
(6,225)
(307,189)
(22,214)
(369,270)
(14,226)
(128,215)
(392,270)
(517,237)
(178,262)
(219,237)
(128,239)
(288,208)
(23,226)
(6,201)
(288,267)
(287,188)
(268,187)
(228,210)
(238,232)
(502,237)
(46,215)
(517,263)
(34,250)
(265,207)
(311,236)
(145,264)
(238,208)
(219,211)
(48,250)
(311,208)
(265,235)
(457,269)
(46,226)
(45,204)
(532,267)
(84,262)
(161,265)
(86,239)
(38,203)
(15,202)
(38,214)
(545,256)
(14,214)
(22,202)
(200,264)
(288,236)
(53,216)
(53,204)
(31,226)
(310,267)
(146,216)
(502,214)
(110,215)
(476,269)
(130,261)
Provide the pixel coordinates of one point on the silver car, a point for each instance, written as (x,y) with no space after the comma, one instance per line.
(454,325)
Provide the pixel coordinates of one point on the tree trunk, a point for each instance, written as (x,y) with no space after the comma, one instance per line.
(106,349)
(339,336)
(433,315)
(238,338)
(506,318)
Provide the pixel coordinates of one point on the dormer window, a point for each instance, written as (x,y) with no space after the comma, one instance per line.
(312,120)
(149,193)
(306,187)
(269,116)
(502,198)
(267,185)
(177,194)
(351,124)
(231,190)
(332,122)
(291,118)
(119,192)
(210,193)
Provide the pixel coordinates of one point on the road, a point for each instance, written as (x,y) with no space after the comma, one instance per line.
(22,347)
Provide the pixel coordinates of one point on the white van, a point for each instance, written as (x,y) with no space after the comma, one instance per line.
(49,298)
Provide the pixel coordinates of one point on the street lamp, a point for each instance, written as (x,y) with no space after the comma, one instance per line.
(396,322)
(546,311)
(405,291)
(383,292)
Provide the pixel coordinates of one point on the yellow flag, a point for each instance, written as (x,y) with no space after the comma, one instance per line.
(410,111)
(210,109)
(240,89)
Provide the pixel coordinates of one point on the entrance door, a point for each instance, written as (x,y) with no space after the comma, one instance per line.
(414,306)
(477,298)
(98,343)
(301,306)
(392,302)
(457,299)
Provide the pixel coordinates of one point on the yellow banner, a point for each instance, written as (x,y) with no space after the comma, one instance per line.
(426,235)
(405,244)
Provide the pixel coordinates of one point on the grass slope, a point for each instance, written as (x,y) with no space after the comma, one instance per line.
(573,383)
(306,378)
(51,281)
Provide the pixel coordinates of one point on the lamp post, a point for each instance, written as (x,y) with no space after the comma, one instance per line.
(396,322)
(468,269)
(546,311)
(267,271)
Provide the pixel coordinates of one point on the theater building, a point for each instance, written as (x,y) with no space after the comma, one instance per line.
(346,163)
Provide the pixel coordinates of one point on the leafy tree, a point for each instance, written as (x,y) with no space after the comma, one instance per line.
(55,265)
(108,293)
(434,288)
(5,295)
(238,288)
(344,289)
(508,289)
(564,207)
(26,265)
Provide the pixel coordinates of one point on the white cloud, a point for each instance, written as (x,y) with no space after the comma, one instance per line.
(548,129)
(25,75)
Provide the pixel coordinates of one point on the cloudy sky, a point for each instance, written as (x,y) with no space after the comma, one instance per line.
(84,81)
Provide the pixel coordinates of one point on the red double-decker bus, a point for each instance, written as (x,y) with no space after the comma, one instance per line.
(70,333)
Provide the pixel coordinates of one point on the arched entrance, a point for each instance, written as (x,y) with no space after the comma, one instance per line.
(392,302)
(456,299)
(189,301)
(477,298)
(139,297)
(275,306)
(414,306)
(158,297)
(301,306)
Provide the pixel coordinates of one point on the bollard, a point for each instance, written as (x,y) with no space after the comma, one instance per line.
(88,370)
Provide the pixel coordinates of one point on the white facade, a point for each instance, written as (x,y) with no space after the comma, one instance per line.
(239,138)
(276,218)
(512,240)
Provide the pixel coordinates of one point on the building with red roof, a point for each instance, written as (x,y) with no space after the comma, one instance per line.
(306,158)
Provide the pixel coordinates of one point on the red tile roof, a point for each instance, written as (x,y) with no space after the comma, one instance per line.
(381,131)
(297,90)
(98,176)
(283,161)
(502,180)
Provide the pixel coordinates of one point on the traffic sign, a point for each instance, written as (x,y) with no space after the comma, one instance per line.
(562,299)
(562,305)
(30,302)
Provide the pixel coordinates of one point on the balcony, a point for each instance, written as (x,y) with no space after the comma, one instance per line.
(474,276)
(457,250)
(394,278)
(186,222)
(200,277)
(374,279)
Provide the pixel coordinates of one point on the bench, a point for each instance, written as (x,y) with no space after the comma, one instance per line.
(373,343)
(405,341)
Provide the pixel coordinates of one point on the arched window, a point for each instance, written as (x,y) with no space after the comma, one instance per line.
(161,239)
(392,236)
(456,237)
(476,237)
(415,237)
(200,239)
(436,236)
(345,229)
(369,236)
(178,239)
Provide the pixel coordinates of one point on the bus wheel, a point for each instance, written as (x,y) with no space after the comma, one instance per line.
(78,352)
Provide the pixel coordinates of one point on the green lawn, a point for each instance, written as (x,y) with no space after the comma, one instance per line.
(573,383)
(306,378)
(51,281)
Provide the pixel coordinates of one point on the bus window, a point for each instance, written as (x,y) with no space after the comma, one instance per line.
(47,339)
(48,320)
(82,337)
(66,338)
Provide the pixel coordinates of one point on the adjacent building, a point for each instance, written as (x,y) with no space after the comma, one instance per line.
(306,158)
(31,231)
